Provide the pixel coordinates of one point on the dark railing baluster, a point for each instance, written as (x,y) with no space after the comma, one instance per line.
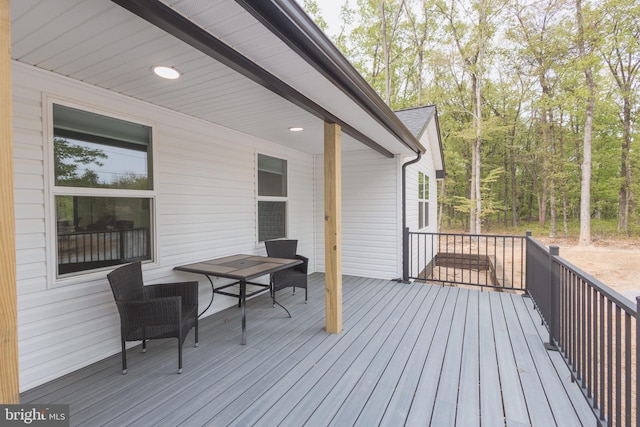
(603,359)
(610,362)
(454,257)
(637,361)
(618,351)
(627,370)
(85,250)
(590,354)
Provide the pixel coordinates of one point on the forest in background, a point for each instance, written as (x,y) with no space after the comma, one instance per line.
(538,103)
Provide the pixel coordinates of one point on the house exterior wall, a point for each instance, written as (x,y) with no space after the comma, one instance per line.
(205,206)
(371,215)
(423,246)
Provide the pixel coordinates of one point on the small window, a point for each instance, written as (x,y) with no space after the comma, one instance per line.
(111,223)
(272,176)
(272,198)
(423,200)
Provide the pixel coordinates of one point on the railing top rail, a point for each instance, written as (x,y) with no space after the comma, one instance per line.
(115,230)
(620,300)
(433,233)
(611,294)
(538,244)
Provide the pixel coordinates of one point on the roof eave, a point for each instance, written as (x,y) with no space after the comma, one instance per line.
(287,20)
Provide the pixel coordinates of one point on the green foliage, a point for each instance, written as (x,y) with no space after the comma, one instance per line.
(69,157)
(312,8)
(533,97)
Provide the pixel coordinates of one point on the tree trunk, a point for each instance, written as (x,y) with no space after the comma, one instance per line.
(553,212)
(506,191)
(514,194)
(585,182)
(542,199)
(475,218)
(563,184)
(625,170)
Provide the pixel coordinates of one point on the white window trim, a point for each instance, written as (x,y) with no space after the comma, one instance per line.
(424,202)
(51,191)
(258,198)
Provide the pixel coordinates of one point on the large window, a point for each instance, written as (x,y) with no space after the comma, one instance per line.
(103,190)
(272,198)
(423,200)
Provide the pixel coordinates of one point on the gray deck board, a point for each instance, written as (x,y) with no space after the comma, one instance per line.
(331,368)
(241,374)
(557,397)
(405,390)
(444,410)
(380,399)
(330,396)
(515,406)
(540,413)
(347,411)
(468,409)
(492,406)
(585,414)
(410,354)
(314,362)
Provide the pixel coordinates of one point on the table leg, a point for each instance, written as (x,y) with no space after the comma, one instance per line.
(243,297)
(213,291)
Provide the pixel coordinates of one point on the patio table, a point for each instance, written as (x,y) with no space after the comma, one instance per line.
(241,268)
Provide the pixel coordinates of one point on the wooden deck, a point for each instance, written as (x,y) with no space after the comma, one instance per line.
(410,354)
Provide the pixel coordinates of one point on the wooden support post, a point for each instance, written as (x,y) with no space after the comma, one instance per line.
(333,227)
(9,388)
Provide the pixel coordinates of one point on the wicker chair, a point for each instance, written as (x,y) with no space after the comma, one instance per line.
(166,310)
(294,277)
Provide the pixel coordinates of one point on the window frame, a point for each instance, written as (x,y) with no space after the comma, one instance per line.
(259,198)
(51,229)
(423,200)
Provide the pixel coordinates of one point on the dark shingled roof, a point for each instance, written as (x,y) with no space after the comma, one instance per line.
(417,118)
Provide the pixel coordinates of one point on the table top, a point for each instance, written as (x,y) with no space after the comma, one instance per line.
(239,267)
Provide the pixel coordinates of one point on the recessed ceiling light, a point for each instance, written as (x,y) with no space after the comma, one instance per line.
(296,129)
(169,73)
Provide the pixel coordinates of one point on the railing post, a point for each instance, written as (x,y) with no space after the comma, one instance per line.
(553,299)
(527,291)
(405,254)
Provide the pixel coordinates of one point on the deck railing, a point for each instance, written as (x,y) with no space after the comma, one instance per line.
(594,327)
(77,250)
(493,261)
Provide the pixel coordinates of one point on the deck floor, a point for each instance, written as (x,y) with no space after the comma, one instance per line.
(410,354)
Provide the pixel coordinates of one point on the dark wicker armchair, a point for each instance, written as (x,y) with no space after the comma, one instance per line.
(294,277)
(167,310)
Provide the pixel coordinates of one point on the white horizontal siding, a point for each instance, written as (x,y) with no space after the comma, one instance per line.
(426,166)
(205,207)
(371,215)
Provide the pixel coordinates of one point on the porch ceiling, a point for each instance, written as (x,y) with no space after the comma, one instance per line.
(101,43)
